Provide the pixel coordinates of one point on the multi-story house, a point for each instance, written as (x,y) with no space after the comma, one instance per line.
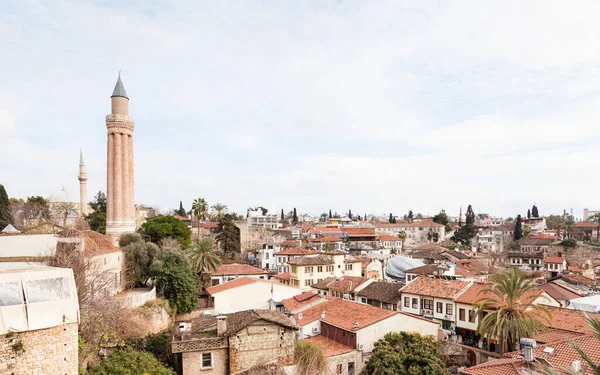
(381,294)
(234,343)
(311,269)
(433,299)
(555,266)
(321,243)
(265,258)
(537,225)
(390,242)
(257,219)
(228,272)
(531,253)
(281,258)
(494,238)
(417,233)
(344,287)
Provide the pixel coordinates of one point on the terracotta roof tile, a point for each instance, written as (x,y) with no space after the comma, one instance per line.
(240,281)
(300,300)
(311,260)
(476,291)
(297,251)
(558,292)
(559,260)
(382,291)
(504,366)
(424,223)
(431,247)
(238,269)
(346,284)
(570,320)
(554,335)
(283,276)
(242,319)
(329,347)
(435,287)
(326,239)
(345,314)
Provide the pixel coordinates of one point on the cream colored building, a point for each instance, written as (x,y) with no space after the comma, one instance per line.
(311,269)
(416,232)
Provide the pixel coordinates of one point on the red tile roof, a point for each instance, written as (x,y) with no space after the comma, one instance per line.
(440,288)
(504,366)
(283,276)
(544,236)
(431,247)
(300,300)
(558,292)
(424,223)
(238,269)
(345,314)
(346,284)
(570,320)
(559,260)
(326,239)
(297,251)
(553,335)
(476,291)
(329,347)
(240,281)
(387,237)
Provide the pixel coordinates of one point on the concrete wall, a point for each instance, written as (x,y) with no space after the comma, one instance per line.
(410,309)
(29,245)
(344,359)
(261,343)
(137,297)
(51,351)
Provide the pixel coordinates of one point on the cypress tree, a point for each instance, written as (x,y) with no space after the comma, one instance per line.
(528,213)
(330,216)
(5,214)
(391,219)
(470,216)
(282,215)
(518,229)
(350,214)
(534,211)
(295,217)
(181,210)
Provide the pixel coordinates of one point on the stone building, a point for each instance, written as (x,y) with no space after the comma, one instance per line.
(39,317)
(233,343)
(120,208)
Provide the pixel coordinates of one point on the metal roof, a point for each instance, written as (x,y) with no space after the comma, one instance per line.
(119,89)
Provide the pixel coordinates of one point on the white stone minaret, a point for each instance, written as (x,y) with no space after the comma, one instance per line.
(82,185)
(120,209)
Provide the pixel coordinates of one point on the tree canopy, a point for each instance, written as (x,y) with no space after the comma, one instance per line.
(228,235)
(202,257)
(294,217)
(128,361)
(181,211)
(5,213)
(528,213)
(442,218)
(534,211)
(96,219)
(161,226)
(518,229)
(402,353)
(176,282)
(142,261)
(465,233)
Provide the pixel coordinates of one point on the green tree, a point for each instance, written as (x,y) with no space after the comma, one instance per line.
(511,312)
(219,209)
(37,207)
(528,213)
(391,219)
(295,217)
(5,213)
(442,218)
(161,226)
(176,282)
(128,361)
(96,219)
(202,257)
(410,215)
(283,216)
(350,214)
(594,325)
(534,211)
(554,221)
(402,353)
(65,209)
(129,238)
(518,229)
(181,211)
(228,235)
(465,233)
(142,262)
(330,216)
(470,216)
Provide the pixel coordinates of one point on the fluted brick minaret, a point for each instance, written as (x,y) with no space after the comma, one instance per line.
(120,209)
(82,185)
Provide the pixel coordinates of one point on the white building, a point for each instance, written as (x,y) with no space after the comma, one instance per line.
(247,293)
(555,266)
(417,233)
(228,272)
(257,219)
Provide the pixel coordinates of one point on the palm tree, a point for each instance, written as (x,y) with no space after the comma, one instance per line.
(65,209)
(511,314)
(595,218)
(200,209)
(594,324)
(219,209)
(202,257)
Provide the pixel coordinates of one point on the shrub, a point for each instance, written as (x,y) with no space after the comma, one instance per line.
(128,361)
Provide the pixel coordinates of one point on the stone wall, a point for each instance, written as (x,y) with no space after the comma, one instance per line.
(51,351)
(192,362)
(577,256)
(261,343)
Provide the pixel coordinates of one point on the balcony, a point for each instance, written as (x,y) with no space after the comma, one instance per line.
(427,312)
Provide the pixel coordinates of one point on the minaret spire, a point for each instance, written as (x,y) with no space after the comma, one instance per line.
(82,184)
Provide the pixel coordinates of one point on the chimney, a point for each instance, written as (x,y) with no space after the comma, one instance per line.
(323,315)
(221,325)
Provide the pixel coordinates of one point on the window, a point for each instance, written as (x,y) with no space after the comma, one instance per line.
(348,267)
(329,268)
(308,269)
(406,302)
(339,369)
(449,309)
(320,269)
(461,315)
(308,282)
(294,269)
(266,256)
(350,368)
(279,259)
(427,304)
(471,316)
(415,303)
(439,307)
(447,325)
(207,361)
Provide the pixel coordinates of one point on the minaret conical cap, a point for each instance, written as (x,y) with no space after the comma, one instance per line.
(81,162)
(119,89)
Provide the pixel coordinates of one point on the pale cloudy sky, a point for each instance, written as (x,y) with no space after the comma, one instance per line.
(376,106)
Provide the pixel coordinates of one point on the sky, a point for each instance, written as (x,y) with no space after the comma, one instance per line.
(374,106)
